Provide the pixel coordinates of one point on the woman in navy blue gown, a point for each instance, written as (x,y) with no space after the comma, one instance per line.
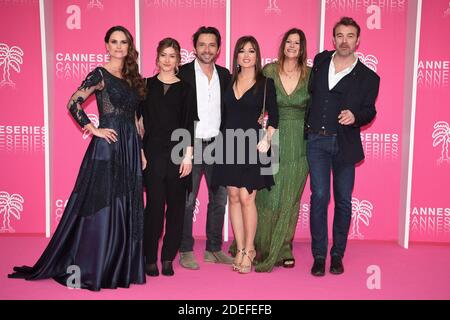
(98,242)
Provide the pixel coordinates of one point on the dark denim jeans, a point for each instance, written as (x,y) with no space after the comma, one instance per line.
(215,214)
(322,154)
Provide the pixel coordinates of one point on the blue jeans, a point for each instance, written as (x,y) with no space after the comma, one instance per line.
(322,155)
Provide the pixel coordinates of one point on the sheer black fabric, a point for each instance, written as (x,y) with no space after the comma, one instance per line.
(166,109)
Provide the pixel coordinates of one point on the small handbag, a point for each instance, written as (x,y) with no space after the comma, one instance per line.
(263,111)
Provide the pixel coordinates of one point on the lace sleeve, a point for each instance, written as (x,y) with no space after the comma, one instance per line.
(93,81)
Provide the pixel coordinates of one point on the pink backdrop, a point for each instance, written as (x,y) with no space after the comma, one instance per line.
(22,178)
(430,207)
(178,20)
(75,46)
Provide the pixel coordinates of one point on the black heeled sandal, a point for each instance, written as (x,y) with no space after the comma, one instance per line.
(167,268)
(288,263)
(151,269)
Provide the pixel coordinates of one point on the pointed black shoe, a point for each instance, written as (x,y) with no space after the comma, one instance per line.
(336,266)
(318,268)
(151,269)
(167,268)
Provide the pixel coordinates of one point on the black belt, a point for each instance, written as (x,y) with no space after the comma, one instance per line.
(322,132)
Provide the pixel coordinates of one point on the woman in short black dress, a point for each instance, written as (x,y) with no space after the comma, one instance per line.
(242,170)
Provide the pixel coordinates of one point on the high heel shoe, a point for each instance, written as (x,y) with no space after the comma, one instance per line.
(289,263)
(237,266)
(167,268)
(151,269)
(250,255)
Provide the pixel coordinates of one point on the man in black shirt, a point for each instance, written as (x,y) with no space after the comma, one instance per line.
(343,93)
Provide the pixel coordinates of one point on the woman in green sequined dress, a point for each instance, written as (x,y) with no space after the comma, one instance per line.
(278,209)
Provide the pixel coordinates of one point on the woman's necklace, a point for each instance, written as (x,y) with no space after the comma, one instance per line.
(291,74)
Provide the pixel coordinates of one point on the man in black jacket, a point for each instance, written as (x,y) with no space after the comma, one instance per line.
(343,93)
(210,81)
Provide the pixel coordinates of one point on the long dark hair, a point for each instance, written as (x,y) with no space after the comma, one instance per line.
(242,41)
(169,43)
(130,70)
(301,60)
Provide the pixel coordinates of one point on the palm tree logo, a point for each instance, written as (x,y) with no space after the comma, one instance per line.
(10,205)
(273,7)
(95,4)
(361,211)
(441,135)
(196,210)
(186,56)
(303,216)
(447,12)
(94,119)
(10,58)
(369,60)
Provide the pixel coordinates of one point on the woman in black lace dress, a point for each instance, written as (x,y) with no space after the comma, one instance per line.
(98,243)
